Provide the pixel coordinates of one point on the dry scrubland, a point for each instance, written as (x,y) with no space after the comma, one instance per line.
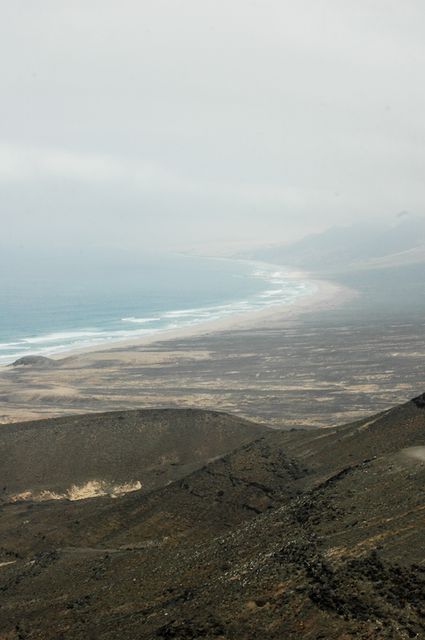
(291,373)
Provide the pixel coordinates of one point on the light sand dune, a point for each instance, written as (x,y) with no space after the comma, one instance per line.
(91,489)
(417,453)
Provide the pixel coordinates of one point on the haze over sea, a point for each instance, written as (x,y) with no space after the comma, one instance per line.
(62,303)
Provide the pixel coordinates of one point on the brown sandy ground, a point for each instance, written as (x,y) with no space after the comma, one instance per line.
(306,371)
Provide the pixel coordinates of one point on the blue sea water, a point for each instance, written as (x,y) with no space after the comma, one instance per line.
(58,303)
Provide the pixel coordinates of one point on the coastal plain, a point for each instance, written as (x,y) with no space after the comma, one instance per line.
(333,357)
(138,502)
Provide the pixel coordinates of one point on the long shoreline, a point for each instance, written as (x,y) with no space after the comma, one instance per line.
(326,294)
(169,368)
(320,361)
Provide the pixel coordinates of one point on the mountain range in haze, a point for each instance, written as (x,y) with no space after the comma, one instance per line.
(359,246)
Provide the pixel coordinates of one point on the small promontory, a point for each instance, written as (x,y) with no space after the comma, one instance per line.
(34,361)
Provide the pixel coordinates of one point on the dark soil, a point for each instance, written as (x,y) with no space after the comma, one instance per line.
(316,535)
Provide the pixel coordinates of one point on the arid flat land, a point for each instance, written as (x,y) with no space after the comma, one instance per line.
(310,367)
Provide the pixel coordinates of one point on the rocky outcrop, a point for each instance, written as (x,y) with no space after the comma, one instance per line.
(35,361)
(420,401)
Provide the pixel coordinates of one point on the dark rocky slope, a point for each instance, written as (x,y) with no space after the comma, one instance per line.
(316,535)
(153,447)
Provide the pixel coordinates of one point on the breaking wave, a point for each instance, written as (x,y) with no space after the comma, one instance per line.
(273,287)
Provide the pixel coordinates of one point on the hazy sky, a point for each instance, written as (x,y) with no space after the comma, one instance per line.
(189,122)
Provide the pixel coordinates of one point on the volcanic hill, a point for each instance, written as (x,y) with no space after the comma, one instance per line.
(237,532)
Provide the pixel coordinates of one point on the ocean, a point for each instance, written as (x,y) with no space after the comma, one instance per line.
(58,303)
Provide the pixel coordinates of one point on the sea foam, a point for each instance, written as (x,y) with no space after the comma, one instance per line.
(255,286)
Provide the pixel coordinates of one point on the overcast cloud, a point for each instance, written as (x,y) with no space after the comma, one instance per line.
(197,122)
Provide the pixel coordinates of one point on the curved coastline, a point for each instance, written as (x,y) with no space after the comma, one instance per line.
(304,293)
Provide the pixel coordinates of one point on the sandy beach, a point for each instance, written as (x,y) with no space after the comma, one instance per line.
(300,364)
(324,295)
